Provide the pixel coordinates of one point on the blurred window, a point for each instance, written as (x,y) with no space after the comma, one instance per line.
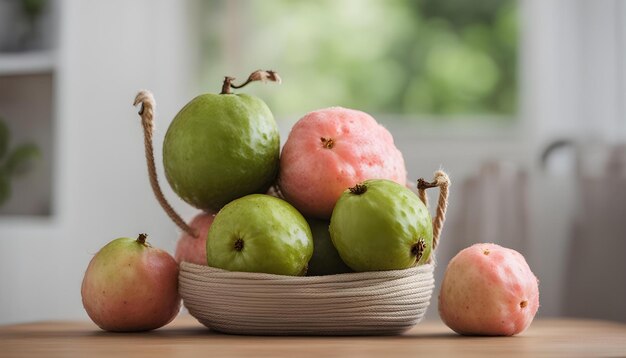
(447,59)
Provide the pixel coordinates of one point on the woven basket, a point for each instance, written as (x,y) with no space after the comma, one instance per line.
(364,303)
(381,302)
(374,303)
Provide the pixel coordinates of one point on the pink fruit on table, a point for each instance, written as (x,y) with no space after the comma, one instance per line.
(330,150)
(131,286)
(488,290)
(193,249)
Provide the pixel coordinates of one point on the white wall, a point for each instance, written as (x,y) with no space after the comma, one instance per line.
(108,50)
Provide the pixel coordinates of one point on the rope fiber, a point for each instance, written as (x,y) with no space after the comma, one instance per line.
(365,303)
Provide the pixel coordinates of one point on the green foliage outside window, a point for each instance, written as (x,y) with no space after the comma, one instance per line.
(441,58)
(13,161)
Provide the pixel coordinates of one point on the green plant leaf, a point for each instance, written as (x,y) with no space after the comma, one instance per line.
(33,8)
(20,158)
(4,138)
(5,187)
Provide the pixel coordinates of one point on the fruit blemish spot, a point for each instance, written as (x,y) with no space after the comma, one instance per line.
(486,251)
(523,304)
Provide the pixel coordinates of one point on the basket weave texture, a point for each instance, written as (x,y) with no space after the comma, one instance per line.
(365,303)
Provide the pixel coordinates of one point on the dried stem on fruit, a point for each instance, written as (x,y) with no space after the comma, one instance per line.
(141,238)
(418,249)
(358,189)
(327,143)
(258,75)
(146,99)
(238,244)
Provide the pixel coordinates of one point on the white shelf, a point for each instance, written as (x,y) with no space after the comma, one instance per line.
(26,63)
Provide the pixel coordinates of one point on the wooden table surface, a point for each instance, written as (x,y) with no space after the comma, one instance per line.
(185,337)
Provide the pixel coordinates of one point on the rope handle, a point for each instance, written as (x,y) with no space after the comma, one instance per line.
(147,102)
(442,181)
(146,99)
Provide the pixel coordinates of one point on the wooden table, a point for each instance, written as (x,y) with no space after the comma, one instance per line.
(186,338)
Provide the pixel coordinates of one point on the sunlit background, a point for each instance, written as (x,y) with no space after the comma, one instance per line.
(522,102)
(410,58)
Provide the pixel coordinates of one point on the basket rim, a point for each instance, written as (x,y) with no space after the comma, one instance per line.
(189,267)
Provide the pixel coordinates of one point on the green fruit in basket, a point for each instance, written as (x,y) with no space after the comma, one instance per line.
(381,225)
(220,147)
(325,259)
(260,233)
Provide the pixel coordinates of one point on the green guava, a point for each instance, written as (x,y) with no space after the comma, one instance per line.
(381,225)
(325,259)
(220,147)
(260,233)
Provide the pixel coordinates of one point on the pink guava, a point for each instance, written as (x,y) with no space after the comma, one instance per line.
(193,249)
(330,150)
(131,286)
(488,290)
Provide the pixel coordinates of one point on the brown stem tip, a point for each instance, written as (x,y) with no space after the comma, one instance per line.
(142,238)
(258,75)
(228,82)
(418,248)
(239,244)
(358,189)
(327,143)
(423,184)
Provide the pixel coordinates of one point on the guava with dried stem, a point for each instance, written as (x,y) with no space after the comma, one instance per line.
(221,147)
(260,233)
(131,286)
(379,225)
(330,150)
